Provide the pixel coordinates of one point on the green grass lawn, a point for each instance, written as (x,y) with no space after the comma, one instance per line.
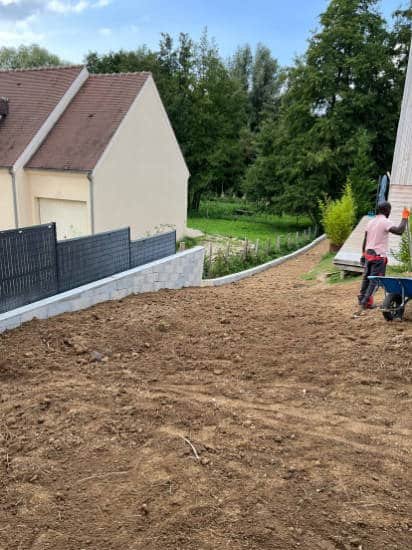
(327,267)
(223,218)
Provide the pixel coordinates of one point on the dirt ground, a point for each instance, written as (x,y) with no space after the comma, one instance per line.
(300,416)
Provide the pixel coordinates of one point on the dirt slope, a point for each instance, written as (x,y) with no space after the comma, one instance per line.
(300,416)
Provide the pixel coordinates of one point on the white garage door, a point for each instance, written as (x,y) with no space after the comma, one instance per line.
(71,217)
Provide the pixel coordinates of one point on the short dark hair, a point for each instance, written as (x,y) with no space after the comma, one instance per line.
(384,208)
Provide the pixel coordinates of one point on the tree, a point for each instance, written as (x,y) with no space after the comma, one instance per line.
(206,106)
(26,57)
(218,118)
(260,78)
(266,82)
(338,115)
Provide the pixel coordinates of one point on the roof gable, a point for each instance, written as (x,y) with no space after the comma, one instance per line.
(33,94)
(83,132)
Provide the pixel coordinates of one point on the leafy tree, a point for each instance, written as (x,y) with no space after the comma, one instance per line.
(338,115)
(26,57)
(363,185)
(241,66)
(260,78)
(266,82)
(206,105)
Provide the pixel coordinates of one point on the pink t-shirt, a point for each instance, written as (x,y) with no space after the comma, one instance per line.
(378,234)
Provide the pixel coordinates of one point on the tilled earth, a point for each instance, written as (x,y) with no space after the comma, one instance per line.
(259,415)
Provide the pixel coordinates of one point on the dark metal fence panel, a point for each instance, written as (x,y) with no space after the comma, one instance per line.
(87,259)
(143,251)
(27,265)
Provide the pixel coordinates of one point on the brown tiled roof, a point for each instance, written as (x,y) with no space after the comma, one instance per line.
(33,94)
(81,135)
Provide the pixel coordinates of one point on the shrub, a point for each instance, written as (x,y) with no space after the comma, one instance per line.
(338,217)
(403,255)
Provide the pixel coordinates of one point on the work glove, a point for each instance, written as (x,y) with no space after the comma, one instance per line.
(363,260)
(406,213)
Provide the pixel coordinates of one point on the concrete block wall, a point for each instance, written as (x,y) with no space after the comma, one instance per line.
(180,270)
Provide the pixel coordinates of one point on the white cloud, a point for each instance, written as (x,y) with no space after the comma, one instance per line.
(25,24)
(58,6)
(105,32)
(17,10)
(16,37)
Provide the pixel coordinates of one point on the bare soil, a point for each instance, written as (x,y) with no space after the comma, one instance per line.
(299,413)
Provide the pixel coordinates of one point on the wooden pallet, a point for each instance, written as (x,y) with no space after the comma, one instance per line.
(348,257)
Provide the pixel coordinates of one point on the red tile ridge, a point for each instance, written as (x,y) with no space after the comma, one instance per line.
(148,73)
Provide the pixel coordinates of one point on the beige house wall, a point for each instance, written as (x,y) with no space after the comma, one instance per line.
(49,184)
(7,220)
(141,180)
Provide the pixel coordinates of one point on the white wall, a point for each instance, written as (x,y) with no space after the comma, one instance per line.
(402,160)
(6,201)
(141,181)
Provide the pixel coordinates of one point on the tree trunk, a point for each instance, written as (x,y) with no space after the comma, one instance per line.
(195,201)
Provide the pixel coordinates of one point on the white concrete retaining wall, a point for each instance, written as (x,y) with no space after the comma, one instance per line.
(180,270)
(233,277)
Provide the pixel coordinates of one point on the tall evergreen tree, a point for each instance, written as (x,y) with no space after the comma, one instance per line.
(338,115)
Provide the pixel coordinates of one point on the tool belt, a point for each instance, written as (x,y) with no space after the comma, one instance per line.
(372,256)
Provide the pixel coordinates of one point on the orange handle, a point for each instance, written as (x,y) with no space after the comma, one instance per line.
(406,213)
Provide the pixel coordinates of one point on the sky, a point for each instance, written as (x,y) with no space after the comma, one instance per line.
(71,28)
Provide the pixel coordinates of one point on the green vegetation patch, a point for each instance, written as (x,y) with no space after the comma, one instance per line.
(327,271)
(243,220)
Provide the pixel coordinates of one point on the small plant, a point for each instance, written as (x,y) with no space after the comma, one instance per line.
(189,242)
(403,255)
(338,217)
(227,262)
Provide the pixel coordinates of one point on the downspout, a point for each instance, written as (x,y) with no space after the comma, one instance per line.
(91,199)
(14,190)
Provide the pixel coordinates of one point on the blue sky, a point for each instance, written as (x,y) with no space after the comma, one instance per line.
(71,28)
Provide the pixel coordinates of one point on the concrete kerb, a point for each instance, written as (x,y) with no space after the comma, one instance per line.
(234,277)
(177,271)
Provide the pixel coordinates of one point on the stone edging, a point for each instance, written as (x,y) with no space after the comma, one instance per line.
(233,277)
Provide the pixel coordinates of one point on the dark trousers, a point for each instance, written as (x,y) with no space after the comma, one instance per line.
(376,267)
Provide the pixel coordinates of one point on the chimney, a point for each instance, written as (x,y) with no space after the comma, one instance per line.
(4,107)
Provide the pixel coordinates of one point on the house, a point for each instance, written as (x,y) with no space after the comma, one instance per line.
(400,191)
(91,152)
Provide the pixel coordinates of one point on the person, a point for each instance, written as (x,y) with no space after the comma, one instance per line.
(375,250)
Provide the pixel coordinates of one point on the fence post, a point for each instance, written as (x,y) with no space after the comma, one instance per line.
(130,248)
(56,256)
(257,247)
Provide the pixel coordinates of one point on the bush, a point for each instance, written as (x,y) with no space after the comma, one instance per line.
(338,217)
(403,255)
